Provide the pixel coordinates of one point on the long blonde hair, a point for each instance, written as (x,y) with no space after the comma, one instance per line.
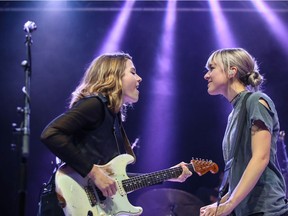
(104,75)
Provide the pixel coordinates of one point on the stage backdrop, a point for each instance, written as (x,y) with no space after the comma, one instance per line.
(175,118)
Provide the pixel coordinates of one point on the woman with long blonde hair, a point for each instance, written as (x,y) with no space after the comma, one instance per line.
(89,134)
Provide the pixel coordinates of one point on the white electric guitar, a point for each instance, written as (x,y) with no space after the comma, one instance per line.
(79,196)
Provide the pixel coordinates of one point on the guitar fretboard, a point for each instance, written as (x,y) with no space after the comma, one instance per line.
(153,178)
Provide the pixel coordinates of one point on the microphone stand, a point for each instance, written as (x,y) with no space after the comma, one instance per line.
(25,126)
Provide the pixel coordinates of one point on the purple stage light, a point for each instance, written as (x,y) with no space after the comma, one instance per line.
(116,34)
(278,28)
(223,33)
(161,114)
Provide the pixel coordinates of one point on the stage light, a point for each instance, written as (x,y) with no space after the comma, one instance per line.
(223,33)
(161,111)
(115,36)
(274,23)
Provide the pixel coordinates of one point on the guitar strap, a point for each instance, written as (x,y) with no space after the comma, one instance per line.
(234,151)
(127,144)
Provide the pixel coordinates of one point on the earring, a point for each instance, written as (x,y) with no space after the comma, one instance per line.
(230,72)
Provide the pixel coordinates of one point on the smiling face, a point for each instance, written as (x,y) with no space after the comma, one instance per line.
(130,83)
(217,78)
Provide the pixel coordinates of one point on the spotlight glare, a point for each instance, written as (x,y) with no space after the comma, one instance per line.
(118,29)
(223,34)
(278,27)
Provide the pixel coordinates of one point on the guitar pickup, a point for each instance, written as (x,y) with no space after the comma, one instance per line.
(94,194)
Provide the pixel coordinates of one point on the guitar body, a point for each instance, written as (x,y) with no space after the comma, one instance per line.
(80,197)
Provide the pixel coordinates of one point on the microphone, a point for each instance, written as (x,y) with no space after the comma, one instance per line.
(29,27)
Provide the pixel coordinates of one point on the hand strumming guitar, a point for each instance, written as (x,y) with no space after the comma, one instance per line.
(103,182)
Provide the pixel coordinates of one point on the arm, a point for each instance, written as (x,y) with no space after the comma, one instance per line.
(260,144)
(59,134)
(213,206)
(260,147)
(58,137)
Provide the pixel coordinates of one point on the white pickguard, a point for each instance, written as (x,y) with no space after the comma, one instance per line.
(71,186)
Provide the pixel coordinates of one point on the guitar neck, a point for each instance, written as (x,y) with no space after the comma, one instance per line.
(153,178)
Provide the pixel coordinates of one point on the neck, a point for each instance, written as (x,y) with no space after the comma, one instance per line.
(233,93)
(234,90)
(236,95)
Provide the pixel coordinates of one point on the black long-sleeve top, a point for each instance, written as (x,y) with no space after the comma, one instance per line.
(84,135)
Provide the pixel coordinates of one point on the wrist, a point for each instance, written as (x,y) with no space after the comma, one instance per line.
(93,172)
(232,203)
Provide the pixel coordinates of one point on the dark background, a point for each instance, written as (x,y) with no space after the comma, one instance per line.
(67,40)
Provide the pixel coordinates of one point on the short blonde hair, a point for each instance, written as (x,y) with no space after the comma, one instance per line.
(248,70)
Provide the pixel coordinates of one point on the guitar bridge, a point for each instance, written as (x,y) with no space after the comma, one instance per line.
(90,194)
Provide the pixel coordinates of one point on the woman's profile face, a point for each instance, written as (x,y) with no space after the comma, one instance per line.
(130,83)
(217,79)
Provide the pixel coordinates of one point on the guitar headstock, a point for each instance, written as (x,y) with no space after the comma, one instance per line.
(202,166)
